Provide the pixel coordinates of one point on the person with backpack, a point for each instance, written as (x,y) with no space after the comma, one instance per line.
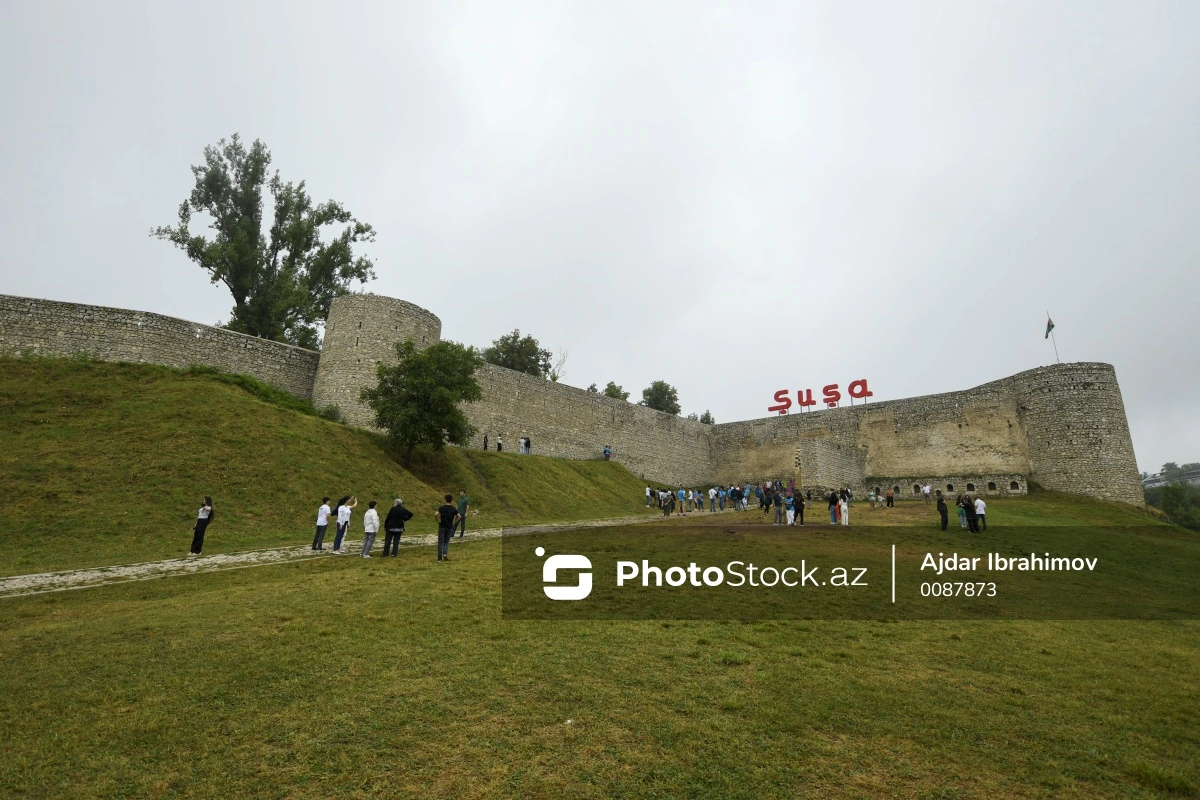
(203,519)
(393,526)
(447,519)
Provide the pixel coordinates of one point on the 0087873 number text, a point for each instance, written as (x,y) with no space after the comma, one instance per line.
(958,589)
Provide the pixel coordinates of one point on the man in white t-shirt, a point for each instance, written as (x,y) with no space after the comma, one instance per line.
(981,512)
(322,524)
(925,490)
(343,523)
(712,499)
(647,497)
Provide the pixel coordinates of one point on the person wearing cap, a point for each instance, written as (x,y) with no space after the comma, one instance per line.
(393,526)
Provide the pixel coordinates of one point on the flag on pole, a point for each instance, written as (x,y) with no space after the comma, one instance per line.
(1049,327)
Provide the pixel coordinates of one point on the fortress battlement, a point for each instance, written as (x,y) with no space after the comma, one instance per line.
(1061,426)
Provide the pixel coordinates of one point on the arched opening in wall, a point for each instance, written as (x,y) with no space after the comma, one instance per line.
(1016,487)
(916,488)
(877,490)
(895,490)
(949,487)
(970,487)
(991,486)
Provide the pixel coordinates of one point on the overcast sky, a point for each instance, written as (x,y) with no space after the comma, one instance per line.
(733,198)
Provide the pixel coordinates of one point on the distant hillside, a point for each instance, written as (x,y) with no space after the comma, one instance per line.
(106,463)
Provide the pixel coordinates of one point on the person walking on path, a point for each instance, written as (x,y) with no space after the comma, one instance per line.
(203,518)
(942,510)
(777,502)
(322,524)
(682,495)
(344,507)
(393,526)
(370,529)
(464,503)
(789,507)
(447,518)
(833,504)
(981,514)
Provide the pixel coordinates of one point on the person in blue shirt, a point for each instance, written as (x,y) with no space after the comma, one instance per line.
(789,505)
(721,498)
(682,495)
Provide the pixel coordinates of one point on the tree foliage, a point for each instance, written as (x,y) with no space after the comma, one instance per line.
(707,418)
(661,396)
(523,354)
(615,391)
(283,281)
(416,401)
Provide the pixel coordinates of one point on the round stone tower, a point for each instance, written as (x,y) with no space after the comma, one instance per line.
(1078,434)
(361,332)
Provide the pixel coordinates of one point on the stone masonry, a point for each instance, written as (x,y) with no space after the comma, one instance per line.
(1062,426)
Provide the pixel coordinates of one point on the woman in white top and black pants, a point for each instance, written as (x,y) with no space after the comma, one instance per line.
(202,519)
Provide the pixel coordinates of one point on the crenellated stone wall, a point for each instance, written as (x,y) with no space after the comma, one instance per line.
(50,328)
(1063,426)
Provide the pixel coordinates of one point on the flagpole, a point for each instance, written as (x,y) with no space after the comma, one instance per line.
(1053,340)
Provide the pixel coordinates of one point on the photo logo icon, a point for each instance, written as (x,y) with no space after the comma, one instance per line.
(550,576)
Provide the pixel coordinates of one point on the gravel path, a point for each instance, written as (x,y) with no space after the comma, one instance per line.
(39,583)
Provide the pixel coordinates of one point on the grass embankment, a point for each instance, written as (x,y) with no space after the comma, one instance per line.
(106,464)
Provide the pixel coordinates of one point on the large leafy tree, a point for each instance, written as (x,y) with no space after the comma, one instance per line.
(524,354)
(416,400)
(284,279)
(661,396)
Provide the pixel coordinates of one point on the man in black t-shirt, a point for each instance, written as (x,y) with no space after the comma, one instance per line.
(447,517)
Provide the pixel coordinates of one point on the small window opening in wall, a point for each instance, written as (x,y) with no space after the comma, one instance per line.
(916,488)
(1014,486)
(970,487)
(877,490)
(949,487)
(360,326)
(991,486)
(896,490)
(356,341)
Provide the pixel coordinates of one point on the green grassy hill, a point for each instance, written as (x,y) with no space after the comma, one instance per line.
(106,464)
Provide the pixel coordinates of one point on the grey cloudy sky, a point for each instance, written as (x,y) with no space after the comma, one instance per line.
(734,198)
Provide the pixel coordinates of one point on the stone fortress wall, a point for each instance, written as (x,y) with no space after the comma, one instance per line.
(1062,426)
(49,328)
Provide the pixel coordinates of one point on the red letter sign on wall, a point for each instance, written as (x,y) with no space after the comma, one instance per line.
(832,395)
(858,389)
(804,398)
(785,402)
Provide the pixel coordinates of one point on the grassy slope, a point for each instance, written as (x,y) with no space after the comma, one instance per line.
(105,463)
(398,678)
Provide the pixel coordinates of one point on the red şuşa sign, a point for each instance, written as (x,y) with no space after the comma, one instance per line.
(830,395)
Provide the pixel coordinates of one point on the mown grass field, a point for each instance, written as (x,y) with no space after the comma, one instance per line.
(399,678)
(107,463)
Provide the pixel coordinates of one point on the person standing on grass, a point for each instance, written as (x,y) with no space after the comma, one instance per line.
(777,502)
(891,499)
(942,510)
(647,497)
(800,508)
(972,517)
(844,508)
(322,524)
(344,507)
(960,505)
(203,518)
(925,492)
(980,514)
(871,498)
(499,443)
(833,504)
(789,506)
(393,526)
(682,495)
(464,503)
(485,441)
(370,529)
(447,518)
